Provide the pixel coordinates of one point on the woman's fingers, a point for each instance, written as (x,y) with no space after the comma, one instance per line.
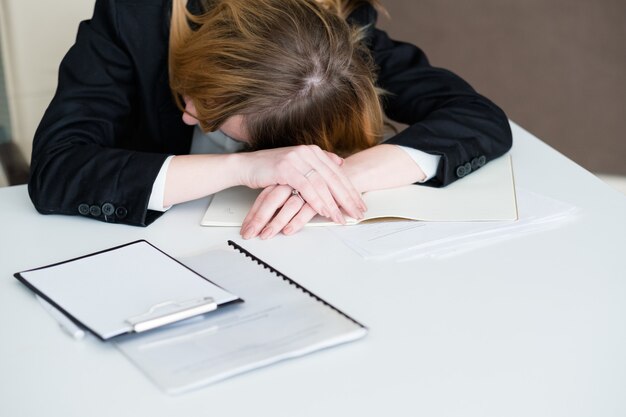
(335,158)
(257,203)
(291,217)
(315,191)
(263,209)
(311,171)
(287,212)
(355,194)
(300,220)
(346,195)
(325,171)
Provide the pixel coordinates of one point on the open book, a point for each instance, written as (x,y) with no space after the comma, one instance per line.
(485,195)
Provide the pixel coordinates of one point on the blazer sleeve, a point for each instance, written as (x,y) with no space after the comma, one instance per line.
(79,161)
(445,115)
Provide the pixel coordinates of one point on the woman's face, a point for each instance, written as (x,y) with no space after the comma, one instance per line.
(234,127)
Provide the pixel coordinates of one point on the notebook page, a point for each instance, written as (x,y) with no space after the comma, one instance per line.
(486,195)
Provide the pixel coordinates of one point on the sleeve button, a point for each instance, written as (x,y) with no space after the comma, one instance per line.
(121,212)
(482,160)
(95,211)
(468,168)
(460,171)
(83,209)
(475,164)
(108,209)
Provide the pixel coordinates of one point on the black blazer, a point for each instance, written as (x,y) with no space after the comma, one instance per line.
(112,121)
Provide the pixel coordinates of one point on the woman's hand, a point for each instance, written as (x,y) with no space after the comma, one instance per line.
(314,173)
(379,167)
(291,213)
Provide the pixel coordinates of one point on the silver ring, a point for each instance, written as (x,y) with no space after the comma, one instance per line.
(309,173)
(296,193)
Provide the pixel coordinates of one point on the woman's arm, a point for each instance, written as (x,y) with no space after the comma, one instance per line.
(97,149)
(446,116)
(112,124)
(380,167)
(308,169)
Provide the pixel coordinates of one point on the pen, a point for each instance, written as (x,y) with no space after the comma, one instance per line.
(65,323)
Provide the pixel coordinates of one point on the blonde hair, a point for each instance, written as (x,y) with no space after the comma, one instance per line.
(294,69)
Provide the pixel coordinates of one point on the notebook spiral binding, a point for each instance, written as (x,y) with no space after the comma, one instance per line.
(291,281)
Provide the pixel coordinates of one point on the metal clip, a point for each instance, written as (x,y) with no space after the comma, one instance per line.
(170,312)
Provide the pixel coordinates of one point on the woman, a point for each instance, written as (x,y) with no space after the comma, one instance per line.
(292,83)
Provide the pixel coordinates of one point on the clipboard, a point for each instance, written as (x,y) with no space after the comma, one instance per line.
(131,288)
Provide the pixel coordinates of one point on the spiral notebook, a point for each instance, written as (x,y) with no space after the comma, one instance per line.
(279,320)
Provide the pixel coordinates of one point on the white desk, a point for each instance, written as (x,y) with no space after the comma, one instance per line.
(532,327)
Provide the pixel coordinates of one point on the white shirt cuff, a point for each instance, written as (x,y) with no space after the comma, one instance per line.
(158,188)
(427,162)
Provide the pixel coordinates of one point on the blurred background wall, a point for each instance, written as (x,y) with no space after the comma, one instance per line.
(557,67)
(34,37)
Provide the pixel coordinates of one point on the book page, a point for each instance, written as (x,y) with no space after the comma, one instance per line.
(485,195)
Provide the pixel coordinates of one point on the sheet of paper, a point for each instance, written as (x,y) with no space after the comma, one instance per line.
(538,214)
(407,240)
(104,290)
(486,195)
(276,322)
